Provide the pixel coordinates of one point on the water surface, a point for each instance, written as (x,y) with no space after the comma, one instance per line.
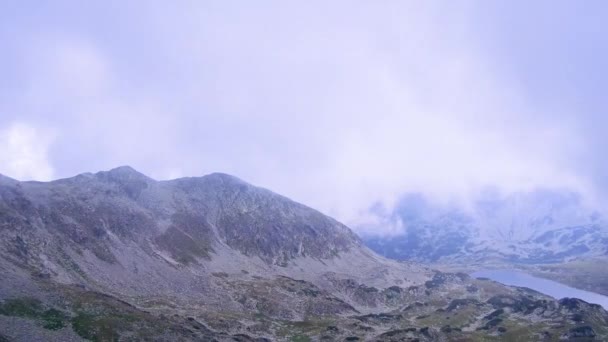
(548,287)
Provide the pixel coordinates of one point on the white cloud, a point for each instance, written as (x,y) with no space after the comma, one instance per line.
(24,153)
(338,105)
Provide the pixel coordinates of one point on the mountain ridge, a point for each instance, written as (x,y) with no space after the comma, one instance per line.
(116,255)
(542,226)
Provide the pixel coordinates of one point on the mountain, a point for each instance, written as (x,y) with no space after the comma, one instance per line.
(117,255)
(541,226)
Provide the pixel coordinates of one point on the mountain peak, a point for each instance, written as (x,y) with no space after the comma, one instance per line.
(123,173)
(223,177)
(189,253)
(199,215)
(124,169)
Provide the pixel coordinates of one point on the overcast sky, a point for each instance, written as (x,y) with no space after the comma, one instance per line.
(337,104)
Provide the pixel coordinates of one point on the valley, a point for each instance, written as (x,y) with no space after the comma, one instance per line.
(117,255)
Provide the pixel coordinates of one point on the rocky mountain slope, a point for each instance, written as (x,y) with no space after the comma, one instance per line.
(528,228)
(119,256)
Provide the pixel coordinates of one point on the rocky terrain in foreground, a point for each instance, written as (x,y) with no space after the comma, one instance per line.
(119,256)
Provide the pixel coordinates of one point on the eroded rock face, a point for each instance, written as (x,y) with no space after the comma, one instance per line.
(185,218)
(215,258)
(260,223)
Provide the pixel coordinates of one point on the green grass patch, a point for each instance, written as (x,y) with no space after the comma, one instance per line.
(300,338)
(54,319)
(302,330)
(103,327)
(27,307)
(21,307)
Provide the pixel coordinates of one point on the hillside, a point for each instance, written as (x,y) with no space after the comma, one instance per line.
(117,255)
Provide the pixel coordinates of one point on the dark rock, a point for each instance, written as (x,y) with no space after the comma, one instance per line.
(581,331)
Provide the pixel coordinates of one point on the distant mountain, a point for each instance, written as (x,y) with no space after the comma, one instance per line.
(541,226)
(118,256)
